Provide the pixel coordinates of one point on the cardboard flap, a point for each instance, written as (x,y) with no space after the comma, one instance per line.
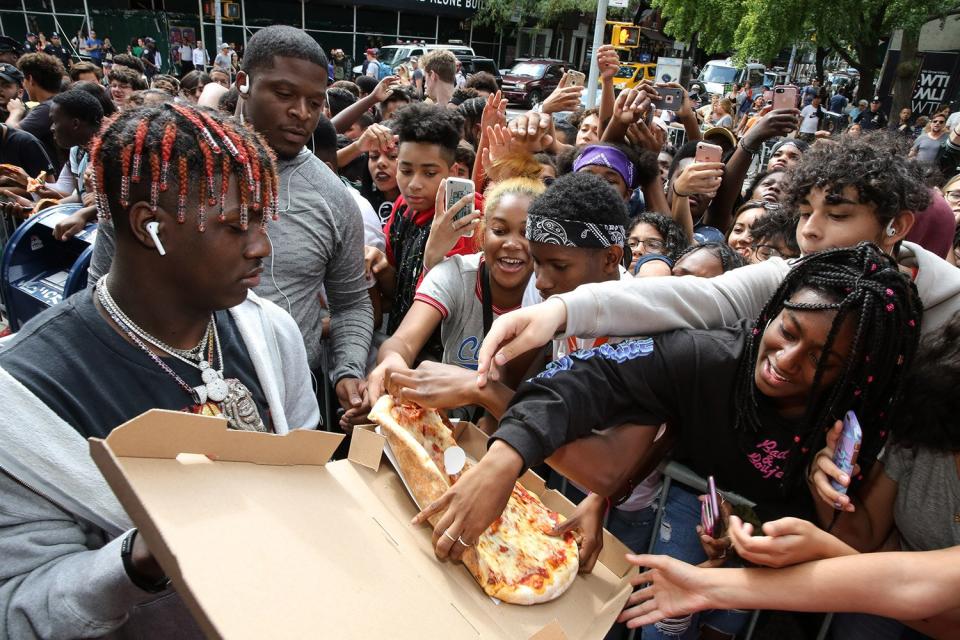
(366,447)
(166,434)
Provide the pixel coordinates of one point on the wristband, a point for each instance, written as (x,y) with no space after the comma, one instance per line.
(677,193)
(126,551)
(743,145)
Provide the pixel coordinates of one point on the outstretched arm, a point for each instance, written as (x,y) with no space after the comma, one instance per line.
(903,585)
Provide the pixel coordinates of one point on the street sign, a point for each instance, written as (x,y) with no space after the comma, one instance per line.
(620,4)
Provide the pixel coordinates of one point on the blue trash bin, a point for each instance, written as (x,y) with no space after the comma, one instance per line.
(37,271)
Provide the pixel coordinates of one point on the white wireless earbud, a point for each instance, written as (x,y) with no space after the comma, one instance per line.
(245,87)
(152,227)
(890,229)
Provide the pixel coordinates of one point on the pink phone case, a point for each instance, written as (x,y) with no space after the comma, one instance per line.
(784,97)
(707,152)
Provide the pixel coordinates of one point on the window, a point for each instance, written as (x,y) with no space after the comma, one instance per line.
(329,18)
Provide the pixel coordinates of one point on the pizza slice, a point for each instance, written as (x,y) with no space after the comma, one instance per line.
(515,560)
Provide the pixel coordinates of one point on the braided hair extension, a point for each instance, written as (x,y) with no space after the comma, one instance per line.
(863,282)
(196,142)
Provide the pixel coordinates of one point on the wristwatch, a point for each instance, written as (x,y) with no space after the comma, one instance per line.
(126,553)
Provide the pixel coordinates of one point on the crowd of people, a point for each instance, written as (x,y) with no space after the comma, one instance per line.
(827,111)
(610,297)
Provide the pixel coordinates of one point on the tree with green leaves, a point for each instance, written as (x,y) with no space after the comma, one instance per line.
(759,29)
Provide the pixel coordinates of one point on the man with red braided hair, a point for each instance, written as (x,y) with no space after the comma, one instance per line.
(173,325)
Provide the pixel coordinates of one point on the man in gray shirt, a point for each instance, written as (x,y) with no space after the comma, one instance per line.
(318,240)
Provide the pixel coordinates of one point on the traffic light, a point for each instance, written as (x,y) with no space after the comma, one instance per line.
(626,37)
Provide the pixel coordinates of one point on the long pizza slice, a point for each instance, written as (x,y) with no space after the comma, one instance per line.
(515,560)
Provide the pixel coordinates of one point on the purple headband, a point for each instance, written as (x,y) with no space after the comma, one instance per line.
(609,157)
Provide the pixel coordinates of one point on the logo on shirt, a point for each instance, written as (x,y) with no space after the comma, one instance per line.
(768,460)
(467,353)
(620,353)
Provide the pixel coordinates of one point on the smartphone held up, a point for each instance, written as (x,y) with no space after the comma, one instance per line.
(456,190)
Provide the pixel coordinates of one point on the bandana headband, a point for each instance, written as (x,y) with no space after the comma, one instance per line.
(609,157)
(574,233)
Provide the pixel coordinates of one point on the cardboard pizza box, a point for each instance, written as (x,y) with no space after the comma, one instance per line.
(264,537)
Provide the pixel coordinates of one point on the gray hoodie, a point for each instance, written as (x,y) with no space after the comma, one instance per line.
(645,306)
(61,527)
(318,245)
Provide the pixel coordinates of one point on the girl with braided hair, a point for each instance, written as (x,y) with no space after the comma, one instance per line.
(174,326)
(749,404)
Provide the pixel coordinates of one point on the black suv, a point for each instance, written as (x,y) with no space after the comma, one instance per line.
(530,81)
(475,64)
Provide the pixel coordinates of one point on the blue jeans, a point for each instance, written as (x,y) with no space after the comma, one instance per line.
(678,539)
(632,528)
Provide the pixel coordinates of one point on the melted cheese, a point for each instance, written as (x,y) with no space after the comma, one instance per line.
(517,550)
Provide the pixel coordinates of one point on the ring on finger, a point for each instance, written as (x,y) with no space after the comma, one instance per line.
(446,534)
(460,540)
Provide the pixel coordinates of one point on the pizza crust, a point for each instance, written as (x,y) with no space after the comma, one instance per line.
(424,479)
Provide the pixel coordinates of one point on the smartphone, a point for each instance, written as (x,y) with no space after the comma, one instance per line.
(458,188)
(676,136)
(706,518)
(707,152)
(784,97)
(576,79)
(848,447)
(671,99)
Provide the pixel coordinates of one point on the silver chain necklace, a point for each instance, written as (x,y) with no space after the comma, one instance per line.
(233,398)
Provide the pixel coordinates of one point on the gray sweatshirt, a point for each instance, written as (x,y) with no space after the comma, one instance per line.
(645,306)
(61,527)
(317,245)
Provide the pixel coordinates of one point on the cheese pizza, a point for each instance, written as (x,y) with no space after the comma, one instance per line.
(515,560)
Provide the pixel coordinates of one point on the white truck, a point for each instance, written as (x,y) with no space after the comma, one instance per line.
(393,55)
(719,76)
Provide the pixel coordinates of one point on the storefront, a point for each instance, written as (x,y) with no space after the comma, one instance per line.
(351,26)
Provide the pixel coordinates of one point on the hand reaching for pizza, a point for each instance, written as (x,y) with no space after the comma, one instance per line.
(434,385)
(587,519)
(471,505)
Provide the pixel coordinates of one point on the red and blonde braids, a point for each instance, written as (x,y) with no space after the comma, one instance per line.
(99,191)
(225,174)
(154,180)
(183,188)
(141,136)
(125,177)
(166,148)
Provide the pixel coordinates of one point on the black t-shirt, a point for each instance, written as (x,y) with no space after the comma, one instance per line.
(22,149)
(37,123)
(685,378)
(83,370)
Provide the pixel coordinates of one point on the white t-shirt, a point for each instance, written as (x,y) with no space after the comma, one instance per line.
(372,228)
(200,57)
(373,69)
(811,121)
(453,288)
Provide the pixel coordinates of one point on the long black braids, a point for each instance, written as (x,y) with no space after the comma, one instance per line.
(867,283)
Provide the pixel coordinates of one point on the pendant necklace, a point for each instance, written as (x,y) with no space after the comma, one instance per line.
(234,399)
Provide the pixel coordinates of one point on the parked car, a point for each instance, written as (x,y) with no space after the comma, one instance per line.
(394,55)
(475,64)
(531,80)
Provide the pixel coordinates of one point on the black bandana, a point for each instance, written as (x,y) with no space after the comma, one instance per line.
(574,233)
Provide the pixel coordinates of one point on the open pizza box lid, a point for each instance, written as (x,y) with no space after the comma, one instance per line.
(264,537)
